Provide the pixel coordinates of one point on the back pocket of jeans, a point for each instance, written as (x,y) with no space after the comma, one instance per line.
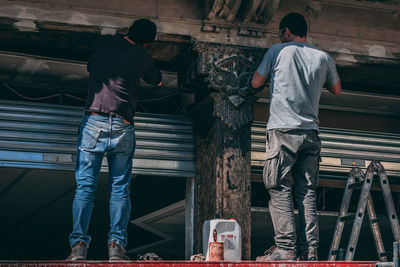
(271,169)
(125,141)
(89,138)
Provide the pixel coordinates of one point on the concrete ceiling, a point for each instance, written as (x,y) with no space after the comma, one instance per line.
(362,36)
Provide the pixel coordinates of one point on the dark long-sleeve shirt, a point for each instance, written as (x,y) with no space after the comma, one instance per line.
(115,69)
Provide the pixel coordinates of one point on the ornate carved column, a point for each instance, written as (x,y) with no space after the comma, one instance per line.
(223,119)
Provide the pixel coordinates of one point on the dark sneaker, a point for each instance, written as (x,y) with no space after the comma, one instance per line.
(277,254)
(116,253)
(78,252)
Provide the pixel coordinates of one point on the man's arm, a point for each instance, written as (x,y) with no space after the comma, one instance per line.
(336,88)
(332,79)
(258,81)
(264,69)
(151,74)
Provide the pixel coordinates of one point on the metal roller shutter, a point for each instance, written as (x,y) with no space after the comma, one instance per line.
(341,149)
(44,136)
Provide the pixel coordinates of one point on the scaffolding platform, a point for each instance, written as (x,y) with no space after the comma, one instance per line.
(188,263)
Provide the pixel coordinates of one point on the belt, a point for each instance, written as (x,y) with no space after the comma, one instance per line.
(87,112)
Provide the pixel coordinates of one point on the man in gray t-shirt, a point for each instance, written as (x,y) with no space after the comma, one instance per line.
(298,72)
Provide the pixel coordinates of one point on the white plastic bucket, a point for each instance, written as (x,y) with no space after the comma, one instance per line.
(228,232)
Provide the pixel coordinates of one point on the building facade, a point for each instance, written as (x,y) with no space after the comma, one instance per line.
(200,152)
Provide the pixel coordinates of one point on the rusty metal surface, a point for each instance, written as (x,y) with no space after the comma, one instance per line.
(188,263)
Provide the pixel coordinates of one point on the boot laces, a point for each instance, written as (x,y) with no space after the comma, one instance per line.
(271,250)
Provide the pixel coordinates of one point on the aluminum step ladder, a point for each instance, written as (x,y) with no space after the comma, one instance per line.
(358,178)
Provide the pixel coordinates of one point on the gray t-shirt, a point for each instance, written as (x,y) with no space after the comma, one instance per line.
(298,73)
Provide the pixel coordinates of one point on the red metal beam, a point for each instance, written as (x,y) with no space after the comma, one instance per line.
(187,263)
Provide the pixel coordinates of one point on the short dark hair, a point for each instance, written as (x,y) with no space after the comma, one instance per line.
(142,31)
(296,23)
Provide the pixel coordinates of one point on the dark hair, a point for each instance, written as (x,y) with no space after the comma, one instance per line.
(142,31)
(296,24)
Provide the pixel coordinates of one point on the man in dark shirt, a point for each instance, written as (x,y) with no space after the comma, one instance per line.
(115,69)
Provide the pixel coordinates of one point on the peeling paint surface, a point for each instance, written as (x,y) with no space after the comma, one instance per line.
(31,66)
(25,25)
(26,15)
(108,31)
(79,18)
(376,51)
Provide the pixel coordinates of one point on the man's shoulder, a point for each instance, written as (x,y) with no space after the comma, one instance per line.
(289,48)
(105,40)
(106,37)
(277,47)
(115,40)
(317,50)
(273,51)
(311,51)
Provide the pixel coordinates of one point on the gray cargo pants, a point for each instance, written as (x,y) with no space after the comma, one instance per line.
(293,155)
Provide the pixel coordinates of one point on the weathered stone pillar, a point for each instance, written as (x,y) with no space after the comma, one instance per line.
(223,123)
(223,171)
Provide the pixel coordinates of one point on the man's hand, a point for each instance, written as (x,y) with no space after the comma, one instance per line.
(159,84)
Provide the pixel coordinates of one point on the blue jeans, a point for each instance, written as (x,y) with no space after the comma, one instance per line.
(100,134)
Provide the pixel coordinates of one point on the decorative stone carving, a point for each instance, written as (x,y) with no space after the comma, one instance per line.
(222,9)
(233,118)
(225,75)
(230,75)
(226,69)
(248,16)
(259,11)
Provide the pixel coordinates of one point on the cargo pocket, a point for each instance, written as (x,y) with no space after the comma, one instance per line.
(271,169)
(89,138)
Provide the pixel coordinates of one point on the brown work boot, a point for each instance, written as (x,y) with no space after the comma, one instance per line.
(311,255)
(78,252)
(116,253)
(277,254)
